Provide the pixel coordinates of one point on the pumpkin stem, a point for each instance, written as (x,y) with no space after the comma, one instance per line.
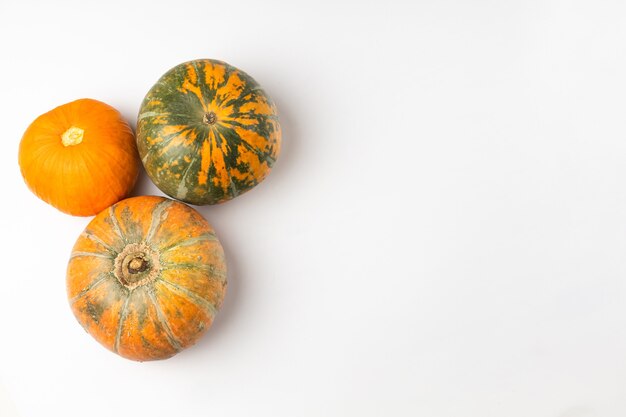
(209,118)
(72,136)
(138,264)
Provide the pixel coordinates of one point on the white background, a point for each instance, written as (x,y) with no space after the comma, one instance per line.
(444,233)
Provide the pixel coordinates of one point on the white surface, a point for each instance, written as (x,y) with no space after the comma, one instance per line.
(444,234)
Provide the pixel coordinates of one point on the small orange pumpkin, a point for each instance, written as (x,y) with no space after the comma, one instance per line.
(146,277)
(80,157)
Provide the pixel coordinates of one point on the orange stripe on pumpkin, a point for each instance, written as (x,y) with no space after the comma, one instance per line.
(261,106)
(205,163)
(214,74)
(253,139)
(222,176)
(233,88)
(191,73)
(256,171)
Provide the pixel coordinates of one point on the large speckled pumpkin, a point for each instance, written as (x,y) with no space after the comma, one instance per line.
(207,132)
(146,277)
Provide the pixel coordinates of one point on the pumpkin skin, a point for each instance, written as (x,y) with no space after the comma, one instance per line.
(146,277)
(207,132)
(80,157)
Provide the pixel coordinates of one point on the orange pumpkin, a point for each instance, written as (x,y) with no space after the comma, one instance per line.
(80,157)
(146,277)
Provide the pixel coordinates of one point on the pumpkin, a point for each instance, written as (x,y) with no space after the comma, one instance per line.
(80,157)
(146,277)
(207,132)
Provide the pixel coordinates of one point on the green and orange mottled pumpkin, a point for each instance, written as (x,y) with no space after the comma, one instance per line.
(207,132)
(146,277)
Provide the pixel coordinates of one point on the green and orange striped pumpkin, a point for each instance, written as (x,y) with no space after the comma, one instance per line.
(146,277)
(207,132)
